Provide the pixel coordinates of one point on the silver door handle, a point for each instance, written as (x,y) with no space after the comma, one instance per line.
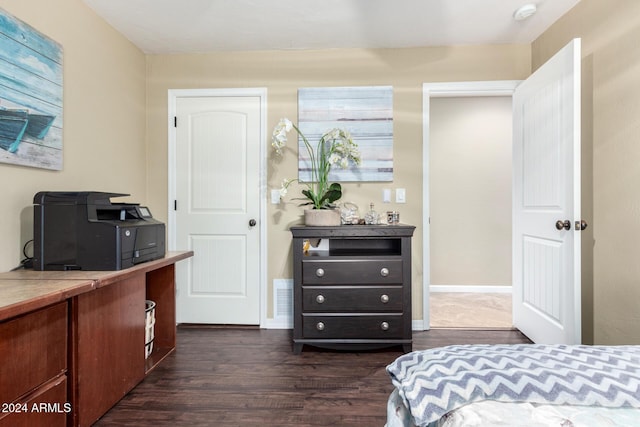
(581,225)
(566,225)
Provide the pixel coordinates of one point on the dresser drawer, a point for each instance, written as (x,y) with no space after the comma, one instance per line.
(349,299)
(353,327)
(352,272)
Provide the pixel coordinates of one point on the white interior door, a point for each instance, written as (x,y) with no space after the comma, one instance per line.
(546,159)
(217,212)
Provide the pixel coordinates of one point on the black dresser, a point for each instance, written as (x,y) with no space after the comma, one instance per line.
(354,293)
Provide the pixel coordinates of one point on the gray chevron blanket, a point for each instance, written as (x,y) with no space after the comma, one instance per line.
(434,382)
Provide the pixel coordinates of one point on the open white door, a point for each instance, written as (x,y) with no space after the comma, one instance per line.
(546,201)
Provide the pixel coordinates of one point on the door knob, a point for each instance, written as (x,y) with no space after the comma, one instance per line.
(563,224)
(252,222)
(581,225)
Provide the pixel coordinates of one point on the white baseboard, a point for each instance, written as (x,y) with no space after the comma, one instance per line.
(277,324)
(484,289)
(417,325)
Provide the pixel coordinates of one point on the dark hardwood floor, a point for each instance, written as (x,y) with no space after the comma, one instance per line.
(250,377)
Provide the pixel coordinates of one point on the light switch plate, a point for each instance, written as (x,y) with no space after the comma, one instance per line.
(400,195)
(275,197)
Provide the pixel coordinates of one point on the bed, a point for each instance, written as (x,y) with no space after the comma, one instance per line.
(516,385)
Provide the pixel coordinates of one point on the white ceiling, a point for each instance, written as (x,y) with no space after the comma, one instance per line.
(190,26)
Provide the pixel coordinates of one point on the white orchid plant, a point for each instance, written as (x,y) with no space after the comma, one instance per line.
(335,147)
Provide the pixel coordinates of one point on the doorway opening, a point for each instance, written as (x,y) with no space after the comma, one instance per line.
(467,204)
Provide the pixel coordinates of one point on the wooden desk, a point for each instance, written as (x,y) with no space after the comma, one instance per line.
(90,325)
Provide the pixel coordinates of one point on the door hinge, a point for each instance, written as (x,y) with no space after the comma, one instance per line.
(175,121)
(175,205)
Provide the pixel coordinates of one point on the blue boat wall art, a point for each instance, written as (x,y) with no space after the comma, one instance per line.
(14,124)
(30,96)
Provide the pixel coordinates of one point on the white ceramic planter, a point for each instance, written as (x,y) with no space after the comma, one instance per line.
(322,217)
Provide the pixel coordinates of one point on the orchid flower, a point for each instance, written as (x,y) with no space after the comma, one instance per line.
(335,147)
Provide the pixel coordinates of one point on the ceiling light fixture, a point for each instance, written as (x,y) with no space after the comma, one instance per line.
(524,12)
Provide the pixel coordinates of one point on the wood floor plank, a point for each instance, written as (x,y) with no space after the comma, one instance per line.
(250,377)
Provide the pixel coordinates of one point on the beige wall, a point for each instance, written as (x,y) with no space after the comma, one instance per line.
(104,130)
(470,190)
(115,102)
(104,118)
(282,73)
(610,32)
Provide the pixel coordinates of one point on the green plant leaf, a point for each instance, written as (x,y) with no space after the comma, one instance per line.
(312,197)
(333,193)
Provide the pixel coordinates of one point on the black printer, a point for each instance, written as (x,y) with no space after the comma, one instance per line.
(85,231)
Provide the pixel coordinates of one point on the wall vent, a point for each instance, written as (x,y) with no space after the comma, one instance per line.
(283,301)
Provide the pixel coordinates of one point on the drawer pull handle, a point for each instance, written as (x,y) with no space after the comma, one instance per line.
(320,299)
(384,298)
(320,326)
(384,272)
(384,326)
(320,272)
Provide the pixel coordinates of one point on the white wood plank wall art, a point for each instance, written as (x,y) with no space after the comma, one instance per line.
(366,112)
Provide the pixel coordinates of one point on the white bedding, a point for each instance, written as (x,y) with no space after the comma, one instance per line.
(490,413)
